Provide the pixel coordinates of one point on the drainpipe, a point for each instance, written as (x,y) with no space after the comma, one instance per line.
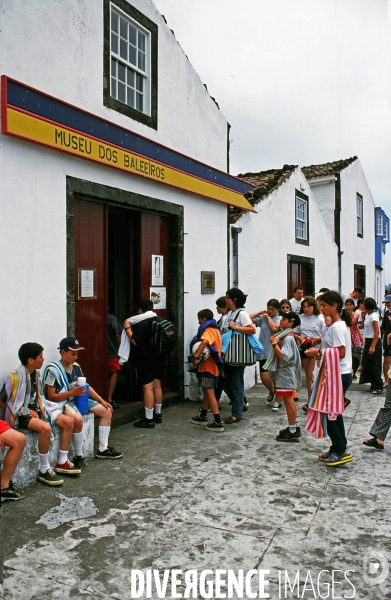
(340,271)
(235,254)
(337,227)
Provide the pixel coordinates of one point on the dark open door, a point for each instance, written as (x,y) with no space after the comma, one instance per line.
(91,291)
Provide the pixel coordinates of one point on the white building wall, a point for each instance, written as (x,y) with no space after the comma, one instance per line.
(324,193)
(356,250)
(269,236)
(56,47)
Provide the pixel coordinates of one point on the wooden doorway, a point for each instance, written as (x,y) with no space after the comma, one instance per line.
(301,272)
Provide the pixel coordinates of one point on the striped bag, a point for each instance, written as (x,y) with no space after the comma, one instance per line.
(239,351)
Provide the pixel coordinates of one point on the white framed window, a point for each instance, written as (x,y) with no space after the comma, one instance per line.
(130,62)
(386,229)
(301,219)
(379,224)
(359,211)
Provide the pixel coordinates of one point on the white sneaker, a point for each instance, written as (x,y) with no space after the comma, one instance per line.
(276,407)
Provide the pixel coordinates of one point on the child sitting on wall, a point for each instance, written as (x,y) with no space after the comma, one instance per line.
(23,399)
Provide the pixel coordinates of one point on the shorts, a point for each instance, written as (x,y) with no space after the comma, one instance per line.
(387,350)
(151,369)
(3,426)
(71,409)
(207,381)
(23,421)
(284,393)
(261,363)
(113,364)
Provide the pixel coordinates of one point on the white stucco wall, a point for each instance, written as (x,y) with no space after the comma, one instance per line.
(56,47)
(266,239)
(325,197)
(356,250)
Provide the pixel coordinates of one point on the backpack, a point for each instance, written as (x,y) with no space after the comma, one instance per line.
(164,336)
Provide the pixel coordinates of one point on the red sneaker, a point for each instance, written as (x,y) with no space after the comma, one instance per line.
(67,468)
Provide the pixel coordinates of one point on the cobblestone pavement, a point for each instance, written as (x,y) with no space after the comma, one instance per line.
(184,498)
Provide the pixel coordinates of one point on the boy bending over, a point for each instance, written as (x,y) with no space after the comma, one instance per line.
(60,379)
(24,401)
(208,371)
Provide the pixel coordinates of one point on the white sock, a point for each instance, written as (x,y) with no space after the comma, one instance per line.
(104,432)
(44,462)
(149,413)
(292,428)
(62,457)
(158,409)
(77,439)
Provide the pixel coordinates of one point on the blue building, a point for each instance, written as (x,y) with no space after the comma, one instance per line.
(382,237)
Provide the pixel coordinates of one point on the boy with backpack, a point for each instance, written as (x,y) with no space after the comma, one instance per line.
(208,370)
(151,338)
(284,359)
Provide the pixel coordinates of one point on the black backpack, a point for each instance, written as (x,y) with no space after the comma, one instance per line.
(164,336)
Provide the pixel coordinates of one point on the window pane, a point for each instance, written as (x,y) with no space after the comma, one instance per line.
(130,100)
(124,28)
(130,77)
(121,72)
(113,68)
(114,43)
(123,49)
(139,101)
(114,21)
(132,35)
(113,87)
(141,60)
(121,92)
(132,55)
(141,41)
(139,82)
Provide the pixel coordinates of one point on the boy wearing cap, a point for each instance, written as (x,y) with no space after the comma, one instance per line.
(60,379)
(287,365)
(24,403)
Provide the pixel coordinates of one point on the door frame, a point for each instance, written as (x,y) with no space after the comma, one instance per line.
(96,192)
(309,263)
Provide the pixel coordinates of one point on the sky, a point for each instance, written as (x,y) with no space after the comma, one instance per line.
(300,81)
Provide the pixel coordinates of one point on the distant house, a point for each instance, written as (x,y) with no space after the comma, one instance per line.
(287,242)
(382,237)
(346,204)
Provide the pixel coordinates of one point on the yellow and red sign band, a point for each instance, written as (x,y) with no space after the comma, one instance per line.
(42,132)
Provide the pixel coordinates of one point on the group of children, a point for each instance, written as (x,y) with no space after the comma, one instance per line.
(44,404)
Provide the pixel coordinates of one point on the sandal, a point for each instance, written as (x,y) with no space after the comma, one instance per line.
(305,407)
(324,455)
(334,460)
(373,443)
(376,392)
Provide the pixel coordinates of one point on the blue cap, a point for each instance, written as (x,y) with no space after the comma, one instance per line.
(387,298)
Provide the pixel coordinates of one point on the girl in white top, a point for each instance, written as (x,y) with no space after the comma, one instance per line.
(312,324)
(372,355)
(238,320)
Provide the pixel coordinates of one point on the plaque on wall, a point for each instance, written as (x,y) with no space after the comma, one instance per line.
(87,284)
(158,297)
(207,282)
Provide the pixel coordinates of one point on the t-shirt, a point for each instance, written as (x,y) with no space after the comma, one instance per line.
(114,328)
(222,324)
(386,326)
(265,334)
(213,337)
(338,334)
(311,326)
(368,324)
(71,377)
(288,374)
(243,319)
(296,304)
